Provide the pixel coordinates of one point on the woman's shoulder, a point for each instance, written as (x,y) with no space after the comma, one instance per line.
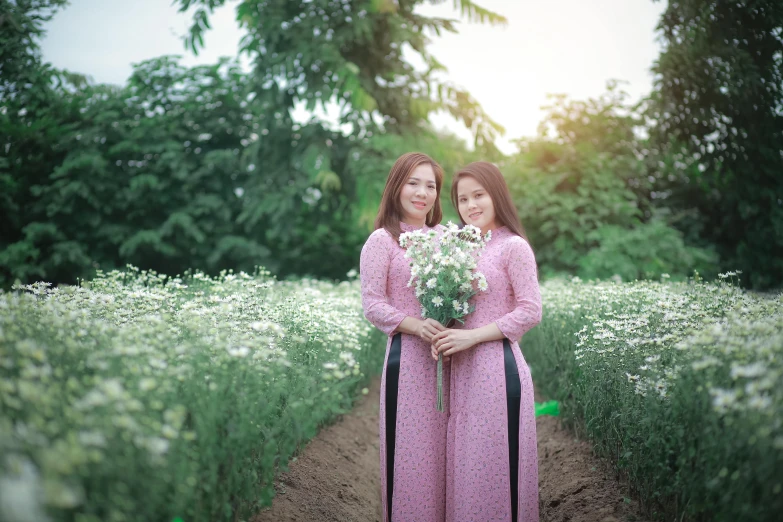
(380,233)
(515,246)
(379,238)
(515,241)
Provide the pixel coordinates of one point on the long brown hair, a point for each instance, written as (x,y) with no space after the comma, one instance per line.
(390,211)
(489,176)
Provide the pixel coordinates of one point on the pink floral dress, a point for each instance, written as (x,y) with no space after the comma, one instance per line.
(412,431)
(492,462)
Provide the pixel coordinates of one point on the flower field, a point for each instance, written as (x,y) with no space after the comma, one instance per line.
(138,397)
(680,384)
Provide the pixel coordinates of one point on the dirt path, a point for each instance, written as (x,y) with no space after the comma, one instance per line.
(336,477)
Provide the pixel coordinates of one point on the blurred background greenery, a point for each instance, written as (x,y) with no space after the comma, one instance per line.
(204,167)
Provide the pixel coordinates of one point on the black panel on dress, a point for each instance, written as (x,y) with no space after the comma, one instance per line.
(392,388)
(513,399)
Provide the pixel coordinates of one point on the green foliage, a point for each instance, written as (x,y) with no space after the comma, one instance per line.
(351,53)
(32,121)
(676,383)
(149,174)
(204,167)
(716,112)
(21,23)
(194,168)
(575,178)
(583,196)
(647,251)
(139,397)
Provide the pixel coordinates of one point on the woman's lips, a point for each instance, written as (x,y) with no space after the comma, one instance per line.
(419,204)
(475,215)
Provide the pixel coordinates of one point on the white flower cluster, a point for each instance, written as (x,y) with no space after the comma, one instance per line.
(655,333)
(443,269)
(685,376)
(133,366)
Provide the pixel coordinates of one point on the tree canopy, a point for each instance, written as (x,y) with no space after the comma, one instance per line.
(205,167)
(717,115)
(351,52)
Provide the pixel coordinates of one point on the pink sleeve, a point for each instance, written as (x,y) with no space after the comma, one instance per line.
(521,269)
(374,273)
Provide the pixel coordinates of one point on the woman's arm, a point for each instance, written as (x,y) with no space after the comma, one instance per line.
(374,272)
(523,276)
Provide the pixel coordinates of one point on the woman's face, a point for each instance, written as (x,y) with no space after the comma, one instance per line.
(474,204)
(418,195)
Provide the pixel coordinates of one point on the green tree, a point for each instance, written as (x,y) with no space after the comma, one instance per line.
(576,176)
(350,52)
(147,174)
(717,115)
(648,250)
(205,167)
(32,120)
(583,195)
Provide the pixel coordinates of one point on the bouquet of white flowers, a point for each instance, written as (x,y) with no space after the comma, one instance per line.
(444,272)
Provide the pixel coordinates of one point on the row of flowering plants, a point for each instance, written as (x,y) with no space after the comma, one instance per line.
(680,384)
(140,397)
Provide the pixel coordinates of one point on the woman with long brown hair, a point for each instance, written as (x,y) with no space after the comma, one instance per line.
(412,431)
(492,462)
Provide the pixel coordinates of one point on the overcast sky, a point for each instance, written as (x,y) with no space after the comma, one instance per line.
(548,46)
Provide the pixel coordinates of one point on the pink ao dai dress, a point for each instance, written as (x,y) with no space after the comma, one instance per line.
(491,457)
(477,461)
(412,431)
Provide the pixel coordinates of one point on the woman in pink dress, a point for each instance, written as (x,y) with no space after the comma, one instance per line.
(412,431)
(492,462)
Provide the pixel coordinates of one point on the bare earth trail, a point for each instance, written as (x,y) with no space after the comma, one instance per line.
(336,476)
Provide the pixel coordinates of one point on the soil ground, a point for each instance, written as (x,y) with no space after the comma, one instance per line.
(336,476)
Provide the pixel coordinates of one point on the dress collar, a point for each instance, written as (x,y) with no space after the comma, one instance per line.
(405,227)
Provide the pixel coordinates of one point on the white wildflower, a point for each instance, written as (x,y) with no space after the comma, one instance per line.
(92,438)
(21,492)
(147,384)
(723,399)
(158,446)
(751,370)
(759,402)
(239,352)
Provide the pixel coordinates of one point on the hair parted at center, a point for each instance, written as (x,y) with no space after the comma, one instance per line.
(489,176)
(390,210)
